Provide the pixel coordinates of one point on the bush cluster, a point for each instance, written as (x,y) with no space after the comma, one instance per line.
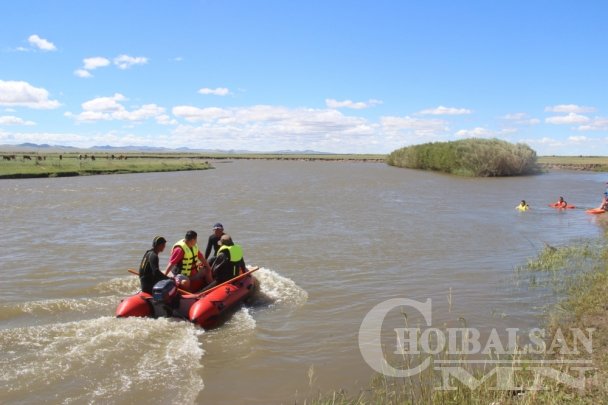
(468,157)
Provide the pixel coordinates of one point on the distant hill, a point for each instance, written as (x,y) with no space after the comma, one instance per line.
(134,148)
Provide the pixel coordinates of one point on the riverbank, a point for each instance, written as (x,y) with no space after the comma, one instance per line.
(584,163)
(53,164)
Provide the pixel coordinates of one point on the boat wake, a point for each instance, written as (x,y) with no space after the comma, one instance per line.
(99,360)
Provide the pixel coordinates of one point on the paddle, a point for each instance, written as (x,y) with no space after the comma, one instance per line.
(232,280)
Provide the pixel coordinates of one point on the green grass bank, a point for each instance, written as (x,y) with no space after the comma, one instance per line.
(25,164)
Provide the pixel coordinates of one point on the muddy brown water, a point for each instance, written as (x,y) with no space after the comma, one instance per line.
(332,240)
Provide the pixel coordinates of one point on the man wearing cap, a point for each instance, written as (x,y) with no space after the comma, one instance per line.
(149,272)
(229,261)
(214,240)
(188,265)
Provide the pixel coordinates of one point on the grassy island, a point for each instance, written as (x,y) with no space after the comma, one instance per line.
(468,157)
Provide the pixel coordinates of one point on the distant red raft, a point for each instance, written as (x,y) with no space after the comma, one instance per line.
(203,309)
(556,205)
(595,211)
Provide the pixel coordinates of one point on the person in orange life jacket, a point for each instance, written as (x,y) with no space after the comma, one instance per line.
(229,262)
(561,203)
(188,265)
(149,271)
(214,242)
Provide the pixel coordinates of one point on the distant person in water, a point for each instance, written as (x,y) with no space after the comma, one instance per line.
(149,272)
(604,204)
(561,203)
(523,206)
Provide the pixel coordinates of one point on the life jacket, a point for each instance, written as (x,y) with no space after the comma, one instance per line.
(236,255)
(190,257)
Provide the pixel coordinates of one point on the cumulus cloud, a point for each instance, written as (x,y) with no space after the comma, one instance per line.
(569,108)
(571,118)
(41,43)
(23,94)
(126,61)
(219,91)
(12,120)
(521,119)
(477,132)
(112,109)
(83,73)
(597,124)
(441,110)
(358,105)
(95,62)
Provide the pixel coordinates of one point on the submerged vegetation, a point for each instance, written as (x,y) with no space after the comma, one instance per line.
(468,157)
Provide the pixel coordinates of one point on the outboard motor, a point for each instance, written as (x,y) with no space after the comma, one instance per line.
(165,299)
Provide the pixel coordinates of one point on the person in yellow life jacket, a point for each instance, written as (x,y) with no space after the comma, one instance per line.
(188,265)
(229,261)
(523,206)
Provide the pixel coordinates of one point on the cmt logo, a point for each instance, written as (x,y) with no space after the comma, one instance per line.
(453,343)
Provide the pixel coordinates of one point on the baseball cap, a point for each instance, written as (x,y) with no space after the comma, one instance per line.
(218,226)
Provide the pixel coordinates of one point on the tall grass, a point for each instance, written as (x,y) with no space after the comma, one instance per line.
(468,157)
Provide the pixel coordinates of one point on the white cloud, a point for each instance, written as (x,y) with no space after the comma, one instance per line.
(578,139)
(111,109)
(598,124)
(419,129)
(83,73)
(164,119)
(95,62)
(521,119)
(569,108)
(571,118)
(477,132)
(359,105)
(23,94)
(441,110)
(12,120)
(220,91)
(41,43)
(126,61)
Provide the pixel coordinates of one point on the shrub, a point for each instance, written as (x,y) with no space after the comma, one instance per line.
(468,157)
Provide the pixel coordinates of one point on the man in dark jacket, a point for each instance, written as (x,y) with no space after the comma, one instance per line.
(149,272)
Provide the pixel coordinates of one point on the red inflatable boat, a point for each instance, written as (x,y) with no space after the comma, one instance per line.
(204,309)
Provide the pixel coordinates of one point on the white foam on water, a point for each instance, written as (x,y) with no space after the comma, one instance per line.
(275,289)
(104,359)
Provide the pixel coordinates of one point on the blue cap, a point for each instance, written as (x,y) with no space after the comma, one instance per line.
(218,226)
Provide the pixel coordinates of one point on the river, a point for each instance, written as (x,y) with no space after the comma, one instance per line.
(333,239)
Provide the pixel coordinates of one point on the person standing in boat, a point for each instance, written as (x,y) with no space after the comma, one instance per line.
(229,261)
(149,271)
(214,242)
(188,265)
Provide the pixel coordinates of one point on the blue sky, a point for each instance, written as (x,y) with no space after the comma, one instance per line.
(332,76)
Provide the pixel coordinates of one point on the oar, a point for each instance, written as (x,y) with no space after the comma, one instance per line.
(232,280)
